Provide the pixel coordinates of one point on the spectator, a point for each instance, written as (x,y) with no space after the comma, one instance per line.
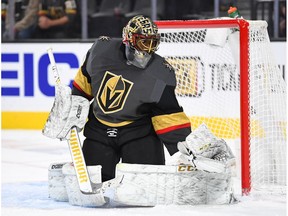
(282,21)
(4,4)
(56,19)
(25,19)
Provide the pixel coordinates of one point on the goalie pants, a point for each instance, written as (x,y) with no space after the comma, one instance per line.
(136,143)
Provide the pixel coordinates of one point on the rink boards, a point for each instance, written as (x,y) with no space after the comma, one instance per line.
(28,84)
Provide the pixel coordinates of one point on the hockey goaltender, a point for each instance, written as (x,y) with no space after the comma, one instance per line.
(133,112)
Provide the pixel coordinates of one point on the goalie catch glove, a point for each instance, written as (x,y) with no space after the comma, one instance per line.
(201,142)
(68,111)
(199,162)
(206,151)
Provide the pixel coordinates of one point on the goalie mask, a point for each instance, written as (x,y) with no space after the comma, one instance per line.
(141,39)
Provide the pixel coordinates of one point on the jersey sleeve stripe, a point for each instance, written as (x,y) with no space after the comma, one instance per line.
(89,97)
(81,83)
(176,127)
(170,122)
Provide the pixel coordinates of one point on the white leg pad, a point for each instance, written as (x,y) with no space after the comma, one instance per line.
(75,196)
(56,184)
(149,185)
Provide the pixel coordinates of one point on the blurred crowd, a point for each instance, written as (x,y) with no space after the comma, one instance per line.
(42,19)
(49,19)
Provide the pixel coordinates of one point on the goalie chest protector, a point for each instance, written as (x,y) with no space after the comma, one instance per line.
(124,92)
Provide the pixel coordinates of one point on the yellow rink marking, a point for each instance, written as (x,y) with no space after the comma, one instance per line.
(226,128)
(24,120)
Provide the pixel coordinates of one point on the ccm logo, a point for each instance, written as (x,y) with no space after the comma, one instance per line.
(186,168)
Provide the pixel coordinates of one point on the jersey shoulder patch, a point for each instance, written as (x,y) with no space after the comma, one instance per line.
(164,71)
(168,65)
(104,38)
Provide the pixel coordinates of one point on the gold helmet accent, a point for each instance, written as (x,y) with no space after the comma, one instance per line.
(141,33)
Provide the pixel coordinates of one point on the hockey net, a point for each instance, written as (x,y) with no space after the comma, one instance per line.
(227,78)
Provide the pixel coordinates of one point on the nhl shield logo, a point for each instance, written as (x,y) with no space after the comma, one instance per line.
(113,92)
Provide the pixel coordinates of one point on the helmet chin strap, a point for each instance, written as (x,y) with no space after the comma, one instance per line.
(136,58)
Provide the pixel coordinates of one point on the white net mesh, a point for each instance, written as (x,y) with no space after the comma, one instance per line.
(207,64)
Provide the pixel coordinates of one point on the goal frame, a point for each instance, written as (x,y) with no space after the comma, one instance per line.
(243,27)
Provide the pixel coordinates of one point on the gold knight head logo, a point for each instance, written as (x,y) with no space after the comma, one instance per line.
(113,93)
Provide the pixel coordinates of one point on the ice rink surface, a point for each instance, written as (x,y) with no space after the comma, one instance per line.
(27,154)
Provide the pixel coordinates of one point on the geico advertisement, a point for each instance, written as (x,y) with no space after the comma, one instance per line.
(27,78)
(27,82)
(28,85)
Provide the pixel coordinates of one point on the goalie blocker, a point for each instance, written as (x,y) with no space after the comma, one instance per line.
(68,111)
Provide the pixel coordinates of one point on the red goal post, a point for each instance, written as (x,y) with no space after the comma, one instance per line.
(203,46)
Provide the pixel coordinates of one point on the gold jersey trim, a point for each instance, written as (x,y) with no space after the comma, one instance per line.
(110,124)
(166,121)
(82,82)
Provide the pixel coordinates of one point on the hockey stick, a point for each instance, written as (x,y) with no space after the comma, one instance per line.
(74,143)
